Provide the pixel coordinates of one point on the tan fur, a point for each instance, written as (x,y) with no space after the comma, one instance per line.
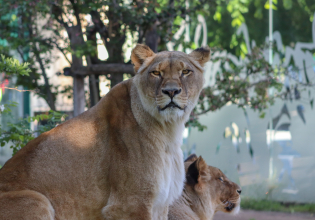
(119,160)
(202,199)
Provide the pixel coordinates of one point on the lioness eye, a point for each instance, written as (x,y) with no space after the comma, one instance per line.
(221,179)
(155,73)
(186,72)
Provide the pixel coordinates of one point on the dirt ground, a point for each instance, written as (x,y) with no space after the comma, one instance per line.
(258,215)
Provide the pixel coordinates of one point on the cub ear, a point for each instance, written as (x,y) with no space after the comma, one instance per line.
(139,54)
(197,173)
(192,174)
(191,158)
(202,55)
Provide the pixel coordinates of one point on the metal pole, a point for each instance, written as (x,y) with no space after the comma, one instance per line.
(270,31)
(271,130)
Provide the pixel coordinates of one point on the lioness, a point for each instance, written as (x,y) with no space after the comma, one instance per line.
(119,160)
(207,190)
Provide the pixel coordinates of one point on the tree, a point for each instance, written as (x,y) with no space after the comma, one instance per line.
(119,23)
(151,22)
(24,38)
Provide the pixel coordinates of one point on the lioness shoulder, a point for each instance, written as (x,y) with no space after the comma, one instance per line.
(207,190)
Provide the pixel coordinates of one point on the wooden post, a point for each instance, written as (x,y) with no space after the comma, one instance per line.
(94,91)
(78,95)
(115,79)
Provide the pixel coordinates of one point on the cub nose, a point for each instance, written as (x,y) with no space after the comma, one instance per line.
(171,92)
(239,191)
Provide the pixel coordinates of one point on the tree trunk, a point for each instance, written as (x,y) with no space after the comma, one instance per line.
(76,38)
(152,38)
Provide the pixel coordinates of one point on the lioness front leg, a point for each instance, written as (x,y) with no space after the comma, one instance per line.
(25,205)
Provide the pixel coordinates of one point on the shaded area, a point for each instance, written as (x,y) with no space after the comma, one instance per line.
(259,215)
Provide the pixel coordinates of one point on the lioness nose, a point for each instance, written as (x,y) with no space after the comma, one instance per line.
(239,191)
(171,92)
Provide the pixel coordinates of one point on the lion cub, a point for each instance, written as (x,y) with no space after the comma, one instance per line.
(207,190)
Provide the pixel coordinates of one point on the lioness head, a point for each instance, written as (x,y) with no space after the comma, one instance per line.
(169,82)
(213,189)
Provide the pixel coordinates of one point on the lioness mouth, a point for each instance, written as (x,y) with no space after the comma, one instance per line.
(171,105)
(230,206)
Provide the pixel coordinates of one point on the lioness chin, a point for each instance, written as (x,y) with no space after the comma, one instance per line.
(119,160)
(207,190)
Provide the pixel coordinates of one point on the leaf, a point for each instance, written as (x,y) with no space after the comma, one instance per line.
(217,16)
(267,6)
(287,4)
(218,148)
(251,151)
(13,17)
(262,115)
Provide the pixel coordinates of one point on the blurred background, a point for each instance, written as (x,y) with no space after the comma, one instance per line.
(254,119)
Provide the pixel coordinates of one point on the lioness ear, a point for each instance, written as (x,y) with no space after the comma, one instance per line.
(202,55)
(139,54)
(197,173)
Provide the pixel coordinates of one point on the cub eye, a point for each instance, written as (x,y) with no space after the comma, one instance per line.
(221,179)
(156,73)
(186,72)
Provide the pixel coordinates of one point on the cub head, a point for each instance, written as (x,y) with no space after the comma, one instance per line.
(212,190)
(169,82)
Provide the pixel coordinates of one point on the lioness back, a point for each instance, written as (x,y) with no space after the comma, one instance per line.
(207,190)
(120,159)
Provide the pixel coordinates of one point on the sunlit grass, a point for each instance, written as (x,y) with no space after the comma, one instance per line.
(267,205)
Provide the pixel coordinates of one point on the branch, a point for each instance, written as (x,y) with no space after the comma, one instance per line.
(50,98)
(141,36)
(76,12)
(21,54)
(57,11)
(61,50)
(99,26)
(21,90)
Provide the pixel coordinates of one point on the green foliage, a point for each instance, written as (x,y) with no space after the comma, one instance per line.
(86,49)
(243,85)
(19,134)
(197,124)
(237,8)
(114,21)
(268,205)
(6,108)
(12,66)
(226,16)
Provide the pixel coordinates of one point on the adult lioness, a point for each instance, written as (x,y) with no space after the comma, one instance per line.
(207,190)
(119,160)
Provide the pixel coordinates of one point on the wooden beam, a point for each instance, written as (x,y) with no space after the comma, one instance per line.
(103,69)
